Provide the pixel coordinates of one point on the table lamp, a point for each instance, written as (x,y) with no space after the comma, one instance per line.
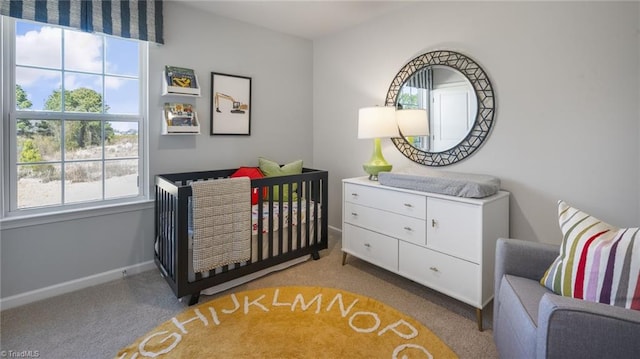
(413,123)
(377,122)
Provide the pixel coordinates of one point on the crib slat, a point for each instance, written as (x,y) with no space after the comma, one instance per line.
(270,224)
(315,189)
(299,222)
(280,216)
(260,224)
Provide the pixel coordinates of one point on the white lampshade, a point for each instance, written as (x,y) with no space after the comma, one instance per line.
(377,122)
(413,122)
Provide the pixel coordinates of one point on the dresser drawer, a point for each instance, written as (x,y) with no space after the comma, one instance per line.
(402,227)
(403,203)
(370,246)
(452,276)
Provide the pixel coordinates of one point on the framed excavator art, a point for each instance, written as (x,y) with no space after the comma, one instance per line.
(230,104)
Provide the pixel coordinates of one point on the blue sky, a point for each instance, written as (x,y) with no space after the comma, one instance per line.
(41,51)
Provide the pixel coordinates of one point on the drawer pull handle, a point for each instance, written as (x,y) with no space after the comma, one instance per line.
(354,195)
(367,245)
(434,269)
(408,229)
(434,223)
(354,214)
(408,205)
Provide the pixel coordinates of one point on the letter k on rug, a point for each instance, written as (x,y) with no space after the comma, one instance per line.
(290,322)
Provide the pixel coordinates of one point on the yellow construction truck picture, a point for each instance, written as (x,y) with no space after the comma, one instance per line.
(237,106)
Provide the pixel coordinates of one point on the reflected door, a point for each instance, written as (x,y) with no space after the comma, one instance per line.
(451,117)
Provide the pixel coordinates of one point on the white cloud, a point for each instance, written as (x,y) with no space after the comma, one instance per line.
(111,82)
(27,76)
(74,81)
(83,52)
(43,48)
(40,48)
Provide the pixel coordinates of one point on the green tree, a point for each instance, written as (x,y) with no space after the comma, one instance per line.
(30,152)
(80,134)
(408,101)
(22,101)
(79,100)
(44,128)
(24,127)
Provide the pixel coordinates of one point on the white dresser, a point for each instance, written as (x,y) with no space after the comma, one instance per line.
(444,242)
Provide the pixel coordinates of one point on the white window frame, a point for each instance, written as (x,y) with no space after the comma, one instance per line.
(10,215)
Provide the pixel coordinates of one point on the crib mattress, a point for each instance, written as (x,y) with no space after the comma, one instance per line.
(276,215)
(265,216)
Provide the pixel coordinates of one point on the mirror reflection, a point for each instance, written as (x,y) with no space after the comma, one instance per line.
(451,104)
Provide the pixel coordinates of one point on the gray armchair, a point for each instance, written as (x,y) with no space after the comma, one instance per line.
(530,321)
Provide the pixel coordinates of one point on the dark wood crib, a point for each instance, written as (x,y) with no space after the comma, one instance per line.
(285,228)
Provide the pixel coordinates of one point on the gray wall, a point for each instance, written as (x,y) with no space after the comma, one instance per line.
(280,67)
(40,256)
(566,81)
(568,123)
(35,257)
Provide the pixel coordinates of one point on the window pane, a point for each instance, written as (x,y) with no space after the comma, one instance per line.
(38,140)
(38,45)
(85,154)
(82,140)
(82,51)
(37,89)
(83,181)
(122,139)
(83,93)
(122,95)
(121,178)
(119,54)
(409,97)
(39,185)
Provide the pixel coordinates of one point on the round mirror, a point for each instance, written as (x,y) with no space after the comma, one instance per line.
(459,101)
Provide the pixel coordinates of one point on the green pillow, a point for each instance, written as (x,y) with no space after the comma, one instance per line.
(273,169)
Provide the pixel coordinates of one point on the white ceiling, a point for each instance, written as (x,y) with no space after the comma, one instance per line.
(303,18)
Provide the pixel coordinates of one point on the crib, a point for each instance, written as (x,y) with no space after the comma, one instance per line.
(283,231)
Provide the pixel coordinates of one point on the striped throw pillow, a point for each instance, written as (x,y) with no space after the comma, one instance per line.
(597,262)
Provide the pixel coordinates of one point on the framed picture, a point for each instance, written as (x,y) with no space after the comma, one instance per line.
(230,104)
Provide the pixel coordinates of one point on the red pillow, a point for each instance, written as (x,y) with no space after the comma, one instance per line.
(253,173)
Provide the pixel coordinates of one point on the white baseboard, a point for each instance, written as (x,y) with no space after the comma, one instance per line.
(335,229)
(70,286)
(80,283)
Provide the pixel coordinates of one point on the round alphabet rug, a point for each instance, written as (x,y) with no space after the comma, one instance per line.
(290,322)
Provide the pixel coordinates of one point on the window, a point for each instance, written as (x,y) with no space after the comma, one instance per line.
(75,106)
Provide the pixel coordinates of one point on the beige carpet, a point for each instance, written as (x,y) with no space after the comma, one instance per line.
(96,322)
(290,322)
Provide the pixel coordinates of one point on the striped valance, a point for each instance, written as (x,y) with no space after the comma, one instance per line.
(129,19)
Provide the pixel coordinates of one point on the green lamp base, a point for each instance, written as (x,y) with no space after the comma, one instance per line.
(377,163)
(373,170)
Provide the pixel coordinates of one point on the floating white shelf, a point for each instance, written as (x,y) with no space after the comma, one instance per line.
(179,91)
(181,130)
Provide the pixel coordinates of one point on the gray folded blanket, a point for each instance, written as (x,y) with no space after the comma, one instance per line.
(221,222)
(443,182)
